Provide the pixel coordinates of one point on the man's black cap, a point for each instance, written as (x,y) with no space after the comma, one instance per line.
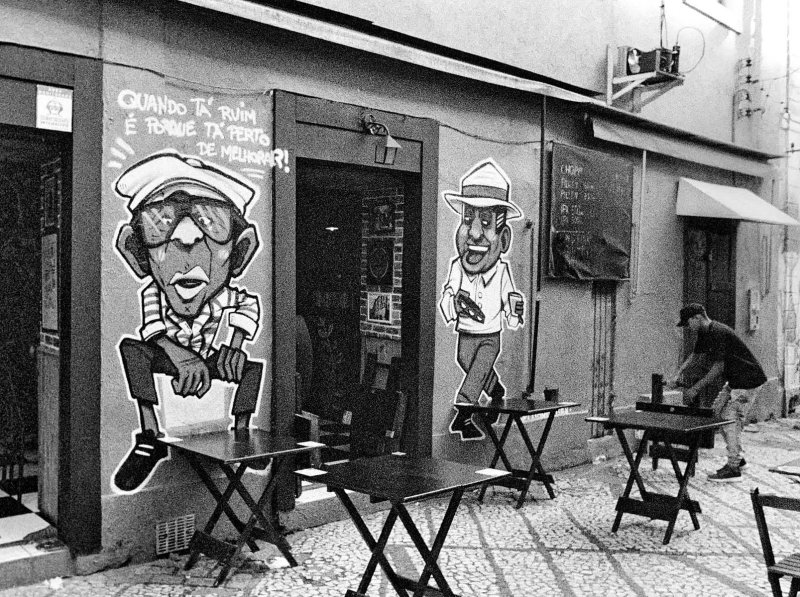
(690,311)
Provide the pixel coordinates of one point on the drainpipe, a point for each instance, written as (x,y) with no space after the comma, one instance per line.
(788,275)
(536,292)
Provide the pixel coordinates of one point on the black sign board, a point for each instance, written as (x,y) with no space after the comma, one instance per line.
(590,215)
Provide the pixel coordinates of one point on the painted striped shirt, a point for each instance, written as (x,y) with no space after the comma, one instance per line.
(198,333)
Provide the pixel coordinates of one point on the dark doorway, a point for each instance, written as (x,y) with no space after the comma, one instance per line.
(347,217)
(34,183)
(317,133)
(710,276)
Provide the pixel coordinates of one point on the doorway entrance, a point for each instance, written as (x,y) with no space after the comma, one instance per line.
(35,181)
(709,253)
(350,269)
(328,142)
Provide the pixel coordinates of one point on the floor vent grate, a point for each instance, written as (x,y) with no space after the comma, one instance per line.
(174,535)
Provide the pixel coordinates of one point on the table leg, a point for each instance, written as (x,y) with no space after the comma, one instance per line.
(683,493)
(430,556)
(687,472)
(269,533)
(376,547)
(222,506)
(499,452)
(536,470)
(634,474)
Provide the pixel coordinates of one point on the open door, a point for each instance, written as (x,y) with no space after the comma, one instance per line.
(710,277)
(341,258)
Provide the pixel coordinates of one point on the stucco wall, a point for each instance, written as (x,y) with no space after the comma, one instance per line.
(567,42)
(197,50)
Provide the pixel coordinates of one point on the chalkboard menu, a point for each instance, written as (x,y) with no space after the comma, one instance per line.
(590,215)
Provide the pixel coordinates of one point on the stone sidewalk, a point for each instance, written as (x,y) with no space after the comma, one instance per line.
(549,547)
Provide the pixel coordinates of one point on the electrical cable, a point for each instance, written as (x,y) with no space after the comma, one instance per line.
(702,52)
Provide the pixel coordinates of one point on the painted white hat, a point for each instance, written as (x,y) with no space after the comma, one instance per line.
(161,174)
(486,185)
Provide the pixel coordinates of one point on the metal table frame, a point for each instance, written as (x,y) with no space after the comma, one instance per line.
(338,480)
(234,452)
(668,429)
(516,409)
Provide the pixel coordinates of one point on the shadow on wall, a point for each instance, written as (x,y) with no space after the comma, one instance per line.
(767,404)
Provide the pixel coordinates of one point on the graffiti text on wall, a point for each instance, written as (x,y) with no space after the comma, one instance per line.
(228,132)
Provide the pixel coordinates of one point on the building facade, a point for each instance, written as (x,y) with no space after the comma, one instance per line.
(267,106)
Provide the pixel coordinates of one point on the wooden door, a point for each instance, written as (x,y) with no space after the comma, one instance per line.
(710,275)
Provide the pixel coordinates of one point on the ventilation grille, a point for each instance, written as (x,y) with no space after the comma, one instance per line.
(174,535)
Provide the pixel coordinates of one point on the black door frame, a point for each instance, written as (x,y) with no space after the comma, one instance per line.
(292,113)
(79,504)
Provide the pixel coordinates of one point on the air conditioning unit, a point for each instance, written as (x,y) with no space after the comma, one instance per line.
(658,61)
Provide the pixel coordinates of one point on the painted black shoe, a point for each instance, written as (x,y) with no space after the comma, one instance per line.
(496,395)
(498,391)
(145,454)
(463,425)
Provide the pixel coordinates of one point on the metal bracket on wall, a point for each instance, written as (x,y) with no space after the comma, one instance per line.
(655,83)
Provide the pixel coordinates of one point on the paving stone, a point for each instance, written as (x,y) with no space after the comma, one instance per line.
(562,546)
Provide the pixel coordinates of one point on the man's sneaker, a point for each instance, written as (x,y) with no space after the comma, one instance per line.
(726,475)
(742,464)
(145,454)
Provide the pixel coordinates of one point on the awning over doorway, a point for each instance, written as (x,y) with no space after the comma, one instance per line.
(707,200)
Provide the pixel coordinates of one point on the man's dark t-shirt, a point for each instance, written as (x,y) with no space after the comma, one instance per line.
(720,343)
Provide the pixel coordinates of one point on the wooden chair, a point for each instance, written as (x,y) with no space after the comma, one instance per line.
(378,410)
(12,451)
(788,566)
(372,419)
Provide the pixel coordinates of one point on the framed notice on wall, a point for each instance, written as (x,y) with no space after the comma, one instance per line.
(50,282)
(590,215)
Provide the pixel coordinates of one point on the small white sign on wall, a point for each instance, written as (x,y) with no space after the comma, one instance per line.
(54,108)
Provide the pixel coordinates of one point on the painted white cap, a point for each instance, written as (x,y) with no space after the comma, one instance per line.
(161,174)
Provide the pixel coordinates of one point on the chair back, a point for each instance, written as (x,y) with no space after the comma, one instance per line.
(378,411)
(12,450)
(761,501)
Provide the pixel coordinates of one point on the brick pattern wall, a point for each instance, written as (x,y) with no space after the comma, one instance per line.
(388,330)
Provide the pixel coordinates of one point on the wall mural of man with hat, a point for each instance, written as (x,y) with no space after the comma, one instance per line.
(479,292)
(189,236)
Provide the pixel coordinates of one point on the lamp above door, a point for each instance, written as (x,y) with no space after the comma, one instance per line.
(385,149)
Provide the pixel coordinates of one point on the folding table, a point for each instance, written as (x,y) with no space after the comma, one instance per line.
(791,468)
(401,479)
(516,408)
(669,429)
(233,452)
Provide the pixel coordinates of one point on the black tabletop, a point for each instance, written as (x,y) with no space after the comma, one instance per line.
(791,468)
(402,478)
(517,405)
(655,421)
(231,447)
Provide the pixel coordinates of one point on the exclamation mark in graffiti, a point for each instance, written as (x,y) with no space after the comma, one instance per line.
(281,159)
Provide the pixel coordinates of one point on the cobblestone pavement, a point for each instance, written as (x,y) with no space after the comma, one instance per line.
(548,547)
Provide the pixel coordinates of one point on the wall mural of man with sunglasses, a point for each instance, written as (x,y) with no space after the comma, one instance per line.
(188,235)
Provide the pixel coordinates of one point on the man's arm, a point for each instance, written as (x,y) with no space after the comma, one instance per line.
(513,318)
(193,377)
(715,372)
(675,382)
(448,305)
(244,321)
